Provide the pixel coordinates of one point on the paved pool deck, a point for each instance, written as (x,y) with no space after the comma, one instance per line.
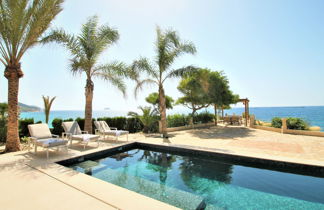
(30,181)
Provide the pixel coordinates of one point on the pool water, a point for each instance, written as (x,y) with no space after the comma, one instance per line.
(187,182)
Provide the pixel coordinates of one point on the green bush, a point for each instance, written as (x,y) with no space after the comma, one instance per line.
(3,129)
(297,124)
(131,124)
(293,123)
(203,117)
(57,126)
(276,122)
(135,125)
(23,126)
(177,120)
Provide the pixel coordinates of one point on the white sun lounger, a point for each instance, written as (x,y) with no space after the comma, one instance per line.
(73,132)
(41,136)
(102,128)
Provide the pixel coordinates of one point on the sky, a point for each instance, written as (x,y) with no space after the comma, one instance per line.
(272,51)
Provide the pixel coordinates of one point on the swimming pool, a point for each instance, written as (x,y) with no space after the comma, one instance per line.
(187,180)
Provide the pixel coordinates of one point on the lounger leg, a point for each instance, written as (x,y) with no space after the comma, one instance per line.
(35,148)
(47,153)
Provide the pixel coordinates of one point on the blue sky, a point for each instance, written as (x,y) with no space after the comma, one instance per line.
(272,50)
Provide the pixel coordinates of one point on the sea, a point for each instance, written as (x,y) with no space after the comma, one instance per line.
(314,115)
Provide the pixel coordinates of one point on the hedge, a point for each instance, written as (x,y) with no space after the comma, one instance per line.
(203,117)
(177,120)
(131,124)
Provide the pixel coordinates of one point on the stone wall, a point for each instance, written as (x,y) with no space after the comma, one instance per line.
(284,129)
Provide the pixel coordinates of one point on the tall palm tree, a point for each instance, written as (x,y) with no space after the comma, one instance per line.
(168,48)
(85,50)
(47,106)
(22,22)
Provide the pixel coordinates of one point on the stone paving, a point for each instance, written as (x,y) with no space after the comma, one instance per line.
(30,181)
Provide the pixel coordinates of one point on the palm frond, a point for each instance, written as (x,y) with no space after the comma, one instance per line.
(144,65)
(169,47)
(114,73)
(181,72)
(22,23)
(62,37)
(140,85)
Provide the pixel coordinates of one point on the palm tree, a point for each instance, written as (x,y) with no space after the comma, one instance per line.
(22,22)
(85,50)
(168,48)
(148,118)
(47,106)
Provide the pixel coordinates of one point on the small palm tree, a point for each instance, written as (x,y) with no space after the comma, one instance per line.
(47,106)
(148,117)
(22,23)
(168,48)
(85,50)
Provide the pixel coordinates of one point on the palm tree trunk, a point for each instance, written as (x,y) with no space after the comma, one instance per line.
(215,110)
(88,106)
(162,108)
(13,73)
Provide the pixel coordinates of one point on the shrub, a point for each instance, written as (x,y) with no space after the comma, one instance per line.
(131,124)
(3,129)
(80,121)
(57,126)
(276,122)
(293,123)
(135,125)
(203,117)
(177,120)
(297,124)
(23,126)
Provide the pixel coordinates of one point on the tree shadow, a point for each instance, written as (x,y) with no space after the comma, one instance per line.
(222,132)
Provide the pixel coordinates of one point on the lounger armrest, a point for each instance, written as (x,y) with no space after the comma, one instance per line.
(84,132)
(55,136)
(113,128)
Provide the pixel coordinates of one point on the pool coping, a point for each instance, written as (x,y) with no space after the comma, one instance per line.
(222,155)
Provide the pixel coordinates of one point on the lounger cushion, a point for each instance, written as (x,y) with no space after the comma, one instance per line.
(85,137)
(39,131)
(115,132)
(51,142)
(72,127)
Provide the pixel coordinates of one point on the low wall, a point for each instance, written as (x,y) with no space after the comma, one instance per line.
(302,132)
(278,130)
(188,127)
(284,129)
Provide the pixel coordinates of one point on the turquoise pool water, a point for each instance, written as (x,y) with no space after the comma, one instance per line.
(186,182)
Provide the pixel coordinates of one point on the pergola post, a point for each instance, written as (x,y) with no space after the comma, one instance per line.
(246,110)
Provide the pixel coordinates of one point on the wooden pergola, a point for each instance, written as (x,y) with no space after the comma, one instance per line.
(246,101)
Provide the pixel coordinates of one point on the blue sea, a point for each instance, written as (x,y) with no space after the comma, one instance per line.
(314,115)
